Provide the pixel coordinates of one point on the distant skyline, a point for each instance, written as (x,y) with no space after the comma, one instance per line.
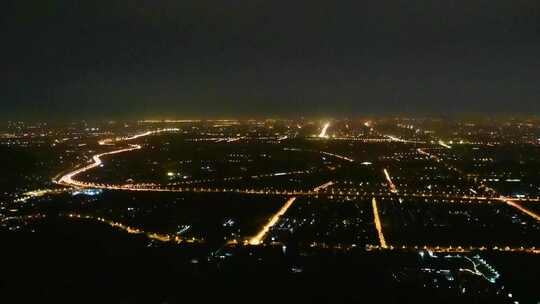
(121,59)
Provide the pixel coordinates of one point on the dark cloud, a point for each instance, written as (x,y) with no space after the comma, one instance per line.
(225,58)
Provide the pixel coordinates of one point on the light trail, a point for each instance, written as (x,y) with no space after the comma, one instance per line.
(150,187)
(393,138)
(38,193)
(522,209)
(421,151)
(437,159)
(391,184)
(230,140)
(232,178)
(323,131)
(323,186)
(508,201)
(131,230)
(401,140)
(256,240)
(110,141)
(442,143)
(151,121)
(321,152)
(338,156)
(68,179)
(176,239)
(378,225)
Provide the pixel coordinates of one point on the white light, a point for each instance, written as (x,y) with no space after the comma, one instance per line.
(323,131)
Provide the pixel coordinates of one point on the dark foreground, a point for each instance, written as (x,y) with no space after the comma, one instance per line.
(73,263)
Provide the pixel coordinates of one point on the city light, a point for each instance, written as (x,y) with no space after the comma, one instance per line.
(323,131)
(378,224)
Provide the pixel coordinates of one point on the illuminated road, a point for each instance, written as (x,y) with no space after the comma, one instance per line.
(323,186)
(510,202)
(437,159)
(442,143)
(391,184)
(323,131)
(151,235)
(432,248)
(522,209)
(378,224)
(338,156)
(232,178)
(393,138)
(458,249)
(256,240)
(423,152)
(397,139)
(68,179)
(38,193)
(111,141)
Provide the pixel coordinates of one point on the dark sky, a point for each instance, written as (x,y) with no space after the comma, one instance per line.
(236,58)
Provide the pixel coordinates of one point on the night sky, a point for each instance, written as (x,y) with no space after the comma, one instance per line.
(236,58)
